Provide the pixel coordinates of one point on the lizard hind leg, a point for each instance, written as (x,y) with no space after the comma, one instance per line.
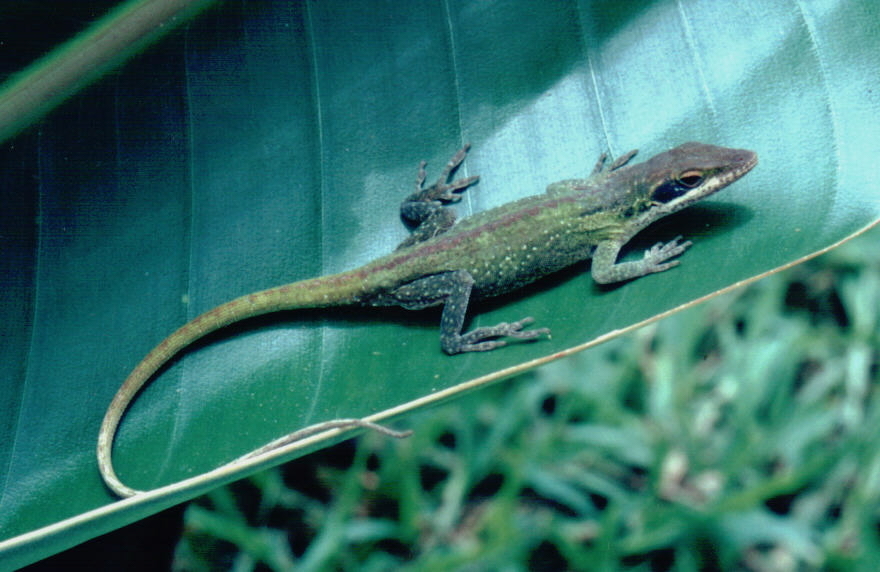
(453,290)
(425,208)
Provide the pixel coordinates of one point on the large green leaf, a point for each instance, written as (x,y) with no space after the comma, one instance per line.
(272,141)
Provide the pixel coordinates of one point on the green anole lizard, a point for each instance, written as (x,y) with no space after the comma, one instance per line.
(445,262)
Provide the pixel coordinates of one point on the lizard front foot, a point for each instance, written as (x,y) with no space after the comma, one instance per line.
(477,339)
(657,255)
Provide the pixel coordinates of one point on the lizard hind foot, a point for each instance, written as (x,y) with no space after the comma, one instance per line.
(477,340)
(443,189)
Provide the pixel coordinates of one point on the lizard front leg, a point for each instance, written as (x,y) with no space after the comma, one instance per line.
(453,290)
(425,208)
(607,270)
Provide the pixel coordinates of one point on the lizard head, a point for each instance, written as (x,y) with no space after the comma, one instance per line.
(688,173)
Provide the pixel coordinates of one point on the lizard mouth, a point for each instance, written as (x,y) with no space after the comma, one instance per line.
(740,168)
(741,162)
(744,165)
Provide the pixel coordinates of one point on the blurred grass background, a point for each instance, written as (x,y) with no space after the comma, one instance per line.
(740,434)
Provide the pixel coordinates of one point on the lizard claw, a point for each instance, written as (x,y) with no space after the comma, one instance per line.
(476,340)
(656,257)
(442,189)
(515,329)
(447,192)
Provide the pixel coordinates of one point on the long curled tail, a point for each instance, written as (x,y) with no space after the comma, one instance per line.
(340,289)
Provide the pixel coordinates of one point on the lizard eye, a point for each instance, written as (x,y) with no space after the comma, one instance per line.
(677,187)
(691,179)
